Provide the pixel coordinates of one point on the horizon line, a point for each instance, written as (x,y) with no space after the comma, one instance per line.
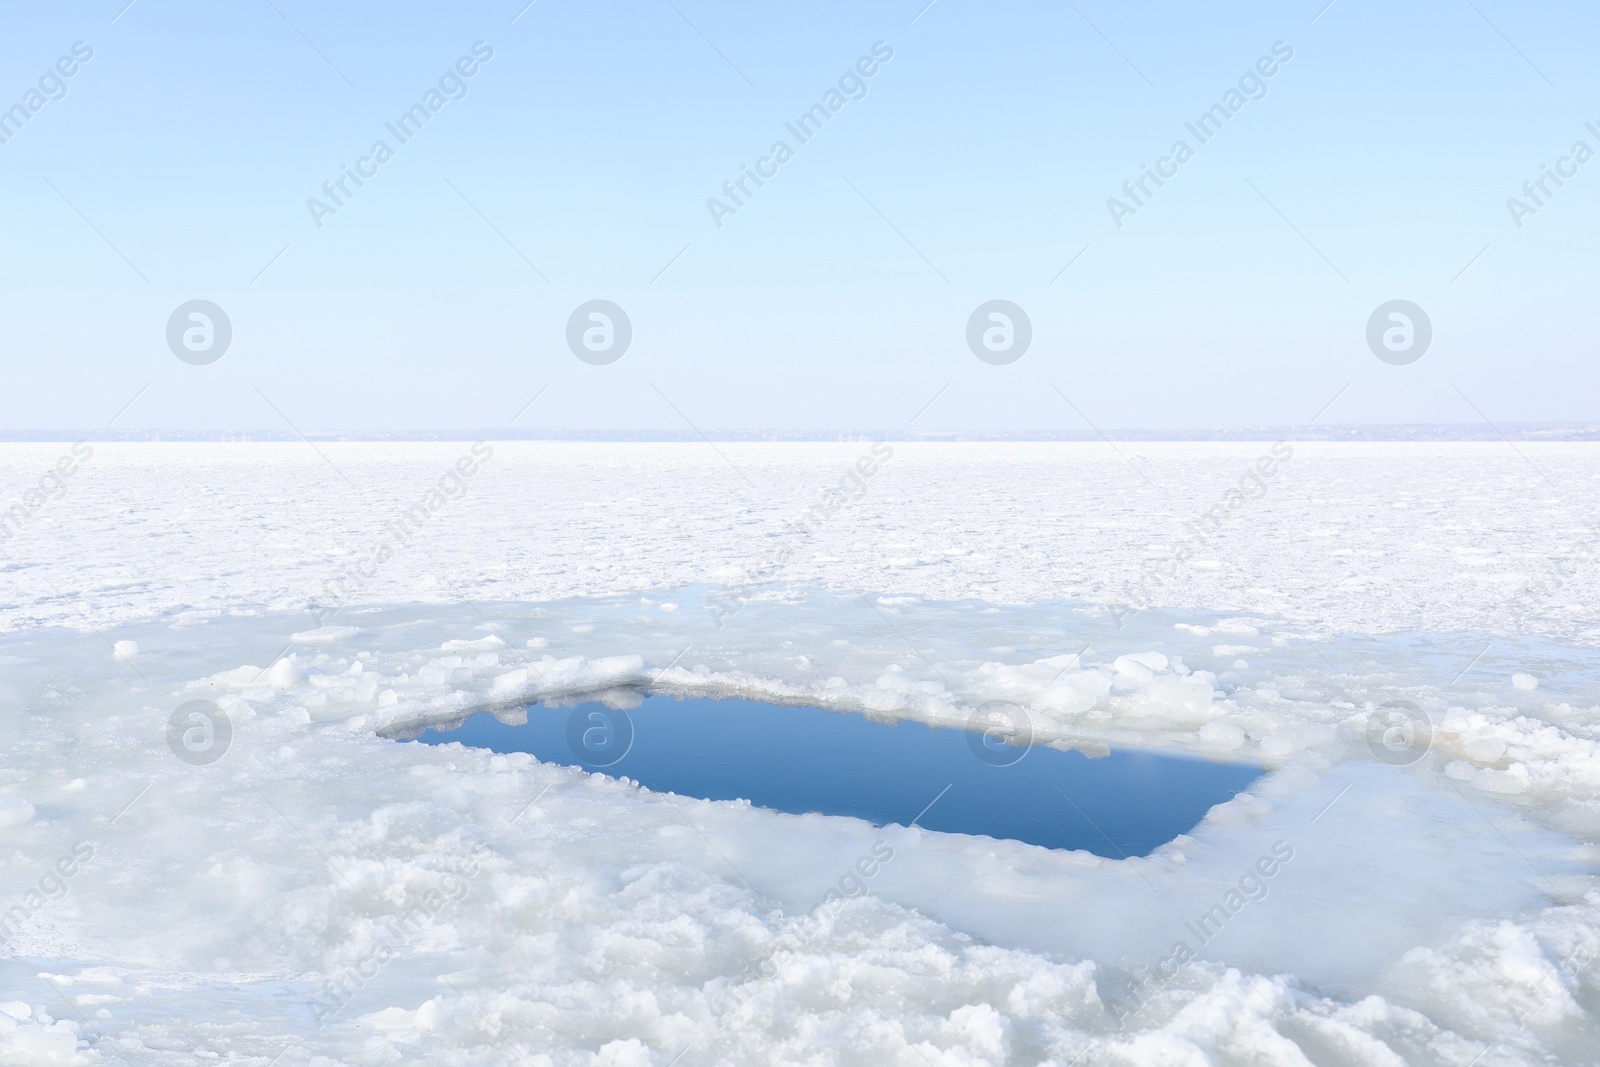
(1399,432)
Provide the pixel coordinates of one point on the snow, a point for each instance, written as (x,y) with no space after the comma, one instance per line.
(14,812)
(323,894)
(1349,538)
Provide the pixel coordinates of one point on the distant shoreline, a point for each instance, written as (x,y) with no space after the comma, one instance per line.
(1419,433)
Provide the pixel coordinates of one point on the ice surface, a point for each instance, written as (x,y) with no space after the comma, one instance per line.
(324,895)
(1349,538)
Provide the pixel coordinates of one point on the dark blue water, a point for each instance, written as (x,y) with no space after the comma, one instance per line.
(801,760)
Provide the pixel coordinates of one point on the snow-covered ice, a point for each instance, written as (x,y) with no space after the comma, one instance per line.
(1406,635)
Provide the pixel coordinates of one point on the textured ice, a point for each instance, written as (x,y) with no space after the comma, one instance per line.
(1351,538)
(324,894)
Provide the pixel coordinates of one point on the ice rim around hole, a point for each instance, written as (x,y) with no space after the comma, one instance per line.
(1509,774)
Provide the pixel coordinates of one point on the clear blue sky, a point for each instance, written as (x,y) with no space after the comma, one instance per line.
(978,164)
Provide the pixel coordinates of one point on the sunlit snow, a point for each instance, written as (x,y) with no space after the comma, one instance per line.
(213,852)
